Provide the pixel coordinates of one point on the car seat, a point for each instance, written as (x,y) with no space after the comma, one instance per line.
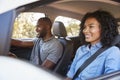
(116,41)
(60,32)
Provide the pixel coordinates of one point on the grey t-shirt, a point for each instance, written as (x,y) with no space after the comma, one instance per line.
(50,49)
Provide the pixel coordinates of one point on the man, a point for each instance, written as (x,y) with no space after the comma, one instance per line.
(46,49)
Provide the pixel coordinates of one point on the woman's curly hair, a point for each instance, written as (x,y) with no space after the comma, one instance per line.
(108,24)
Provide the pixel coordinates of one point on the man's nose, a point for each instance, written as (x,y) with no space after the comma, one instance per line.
(37,29)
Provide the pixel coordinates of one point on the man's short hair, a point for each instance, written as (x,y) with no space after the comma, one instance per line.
(46,20)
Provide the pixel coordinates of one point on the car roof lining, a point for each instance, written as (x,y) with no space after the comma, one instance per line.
(78,8)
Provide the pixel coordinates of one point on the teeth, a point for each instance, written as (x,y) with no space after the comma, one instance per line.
(87,35)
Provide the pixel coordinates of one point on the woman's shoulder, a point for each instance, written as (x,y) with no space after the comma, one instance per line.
(114,50)
(113,53)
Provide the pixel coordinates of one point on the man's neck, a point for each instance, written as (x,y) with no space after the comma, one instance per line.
(47,37)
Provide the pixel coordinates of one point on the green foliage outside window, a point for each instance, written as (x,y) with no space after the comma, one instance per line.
(24,25)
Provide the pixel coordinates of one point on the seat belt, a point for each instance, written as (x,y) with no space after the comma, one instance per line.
(40,61)
(89,60)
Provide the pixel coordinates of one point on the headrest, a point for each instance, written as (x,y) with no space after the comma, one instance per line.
(116,40)
(59,29)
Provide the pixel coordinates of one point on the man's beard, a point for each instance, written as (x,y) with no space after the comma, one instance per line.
(42,35)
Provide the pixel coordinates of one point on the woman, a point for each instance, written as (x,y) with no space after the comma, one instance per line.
(98,29)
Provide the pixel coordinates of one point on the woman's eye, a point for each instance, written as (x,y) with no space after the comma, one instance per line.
(91,26)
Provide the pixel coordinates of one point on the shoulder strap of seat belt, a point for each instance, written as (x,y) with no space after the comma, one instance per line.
(40,61)
(88,61)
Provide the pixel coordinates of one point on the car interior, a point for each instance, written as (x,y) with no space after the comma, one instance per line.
(60,31)
(53,8)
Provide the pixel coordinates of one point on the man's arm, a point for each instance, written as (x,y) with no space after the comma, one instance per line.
(20,43)
(55,53)
(48,64)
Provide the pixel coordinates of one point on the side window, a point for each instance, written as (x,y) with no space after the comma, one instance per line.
(119,27)
(72,25)
(24,25)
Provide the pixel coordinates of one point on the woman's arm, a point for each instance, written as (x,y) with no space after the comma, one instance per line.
(112,62)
